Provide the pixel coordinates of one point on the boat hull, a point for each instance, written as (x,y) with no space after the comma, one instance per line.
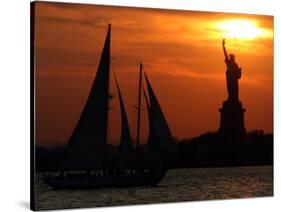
(151,178)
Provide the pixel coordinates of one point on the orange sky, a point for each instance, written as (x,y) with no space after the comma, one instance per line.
(182,55)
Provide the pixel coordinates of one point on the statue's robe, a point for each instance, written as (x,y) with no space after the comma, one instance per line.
(233,74)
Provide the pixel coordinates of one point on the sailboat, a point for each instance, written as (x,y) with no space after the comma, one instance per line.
(85,164)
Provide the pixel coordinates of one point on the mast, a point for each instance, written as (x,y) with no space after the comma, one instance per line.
(87,146)
(139,112)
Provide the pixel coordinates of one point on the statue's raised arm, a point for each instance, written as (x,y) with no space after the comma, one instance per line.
(224,50)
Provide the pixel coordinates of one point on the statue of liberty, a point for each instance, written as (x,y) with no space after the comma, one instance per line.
(232,112)
(233,74)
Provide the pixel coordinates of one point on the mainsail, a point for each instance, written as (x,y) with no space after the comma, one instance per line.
(150,135)
(86,148)
(153,156)
(160,134)
(126,152)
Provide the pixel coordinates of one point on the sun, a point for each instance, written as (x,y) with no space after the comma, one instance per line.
(241,29)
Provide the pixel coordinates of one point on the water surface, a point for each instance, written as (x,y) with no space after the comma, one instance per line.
(178,185)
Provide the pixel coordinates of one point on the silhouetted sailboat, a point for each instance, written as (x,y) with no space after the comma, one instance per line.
(85,163)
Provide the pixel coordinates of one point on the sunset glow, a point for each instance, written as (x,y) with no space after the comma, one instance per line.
(182,55)
(242,29)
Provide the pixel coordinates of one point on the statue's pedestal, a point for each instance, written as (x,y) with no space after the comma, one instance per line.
(232,119)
